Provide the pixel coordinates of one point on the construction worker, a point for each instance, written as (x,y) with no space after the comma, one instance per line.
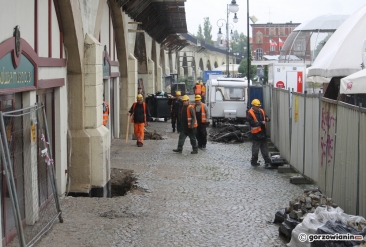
(175,106)
(197,88)
(188,126)
(202,121)
(140,116)
(105,111)
(203,92)
(257,121)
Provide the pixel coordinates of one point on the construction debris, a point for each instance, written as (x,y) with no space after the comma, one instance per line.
(229,133)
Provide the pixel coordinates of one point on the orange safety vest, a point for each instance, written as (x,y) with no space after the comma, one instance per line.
(256,130)
(197,90)
(133,110)
(203,90)
(189,117)
(105,112)
(203,113)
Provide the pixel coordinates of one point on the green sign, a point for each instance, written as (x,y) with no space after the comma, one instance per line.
(106,68)
(23,76)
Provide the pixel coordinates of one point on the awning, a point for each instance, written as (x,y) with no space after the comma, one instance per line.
(354,84)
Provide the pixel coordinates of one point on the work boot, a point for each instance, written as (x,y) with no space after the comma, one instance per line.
(203,146)
(194,152)
(255,163)
(177,150)
(173,130)
(139,144)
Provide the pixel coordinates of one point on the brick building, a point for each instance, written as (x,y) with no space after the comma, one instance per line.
(268,39)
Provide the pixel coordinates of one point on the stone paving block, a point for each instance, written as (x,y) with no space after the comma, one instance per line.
(299,180)
(285,169)
(213,198)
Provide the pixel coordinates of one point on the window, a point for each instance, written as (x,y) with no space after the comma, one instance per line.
(259,38)
(282,31)
(259,54)
(272,48)
(272,31)
(228,93)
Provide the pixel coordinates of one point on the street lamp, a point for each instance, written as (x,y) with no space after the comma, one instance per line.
(233,7)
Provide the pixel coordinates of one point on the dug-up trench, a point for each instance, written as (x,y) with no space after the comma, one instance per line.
(123,181)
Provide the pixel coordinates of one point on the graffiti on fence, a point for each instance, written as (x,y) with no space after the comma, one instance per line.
(327,144)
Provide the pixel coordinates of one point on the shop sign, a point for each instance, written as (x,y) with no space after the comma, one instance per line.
(22,76)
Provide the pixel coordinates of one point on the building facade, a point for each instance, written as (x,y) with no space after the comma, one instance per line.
(68,55)
(268,39)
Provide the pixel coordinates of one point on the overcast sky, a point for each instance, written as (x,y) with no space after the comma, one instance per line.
(275,11)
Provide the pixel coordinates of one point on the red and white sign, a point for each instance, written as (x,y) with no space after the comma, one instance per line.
(299,82)
(280,84)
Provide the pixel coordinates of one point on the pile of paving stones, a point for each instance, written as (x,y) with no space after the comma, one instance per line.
(307,204)
(229,133)
(152,135)
(293,215)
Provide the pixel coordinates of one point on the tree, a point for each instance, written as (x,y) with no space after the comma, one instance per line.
(207,28)
(238,42)
(199,33)
(243,68)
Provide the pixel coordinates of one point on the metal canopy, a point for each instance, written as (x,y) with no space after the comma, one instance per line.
(161,19)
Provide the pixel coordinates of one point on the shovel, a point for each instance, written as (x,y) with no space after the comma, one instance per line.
(128,125)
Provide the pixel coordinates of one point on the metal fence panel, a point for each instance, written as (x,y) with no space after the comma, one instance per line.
(328,140)
(25,138)
(297,132)
(275,120)
(328,119)
(362,164)
(268,105)
(346,158)
(284,125)
(311,160)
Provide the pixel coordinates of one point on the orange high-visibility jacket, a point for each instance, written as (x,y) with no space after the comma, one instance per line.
(105,112)
(197,90)
(203,113)
(189,117)
(256,130)
(203,90)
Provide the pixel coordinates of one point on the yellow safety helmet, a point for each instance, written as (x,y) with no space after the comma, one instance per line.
(185,97)
(256,102)
(139,97)
(197,82)
(201,83)
(197,97)
(177,93)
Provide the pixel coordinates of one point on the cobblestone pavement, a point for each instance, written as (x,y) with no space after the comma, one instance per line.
(213,198)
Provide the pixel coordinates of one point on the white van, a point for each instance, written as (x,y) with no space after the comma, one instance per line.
(227,99)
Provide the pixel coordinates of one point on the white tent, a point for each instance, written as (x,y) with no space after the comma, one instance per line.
(341,55)
(322,23)
(316,79)
(354,84)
